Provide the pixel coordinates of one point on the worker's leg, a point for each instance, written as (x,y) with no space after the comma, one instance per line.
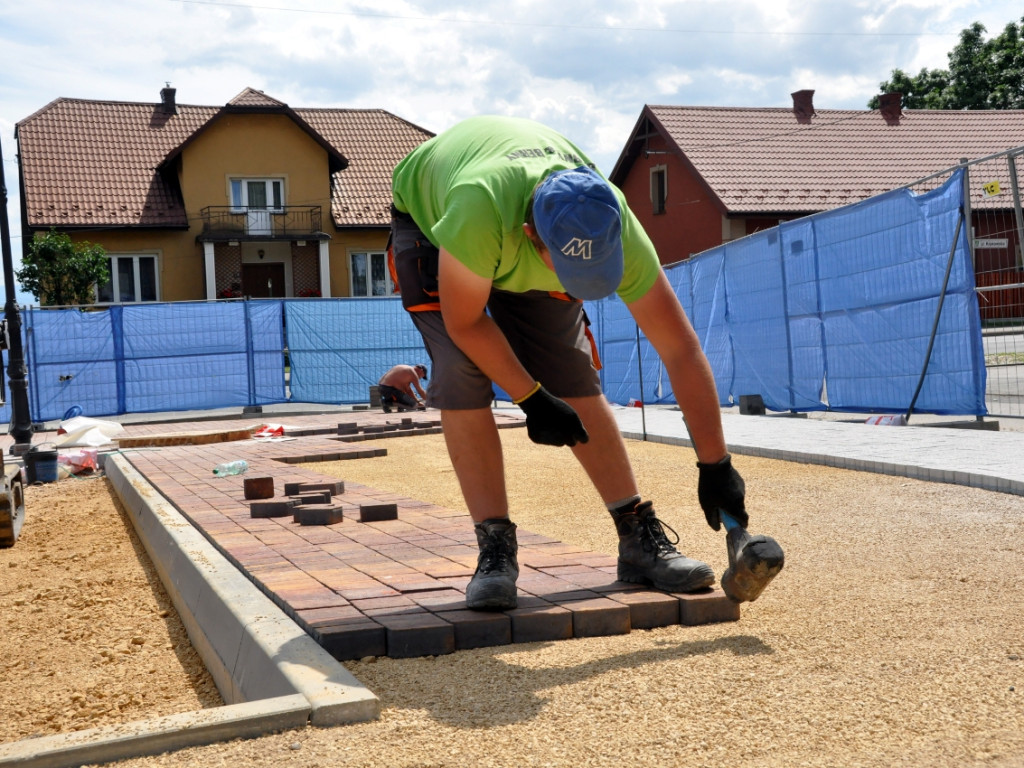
(646,555)
(549,336)
(604,456)
(464,396)
(475,450)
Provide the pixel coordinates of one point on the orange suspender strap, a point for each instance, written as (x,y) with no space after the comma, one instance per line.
(586,327)
(593,347)
(391,266)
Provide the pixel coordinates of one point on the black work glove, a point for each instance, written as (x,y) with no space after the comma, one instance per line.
(720,489)
(550,421)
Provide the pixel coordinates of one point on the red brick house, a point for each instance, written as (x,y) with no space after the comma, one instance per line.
(250,198)
(698,177)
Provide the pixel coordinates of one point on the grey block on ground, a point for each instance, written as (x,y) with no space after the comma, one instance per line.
(272,508)
(319,514)
(375,513)
(334,487)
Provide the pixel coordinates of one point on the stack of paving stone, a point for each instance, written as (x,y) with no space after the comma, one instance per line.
(352,431)
(311,503)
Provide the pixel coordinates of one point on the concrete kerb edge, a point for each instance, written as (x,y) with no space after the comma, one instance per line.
(274,675)
(160,734)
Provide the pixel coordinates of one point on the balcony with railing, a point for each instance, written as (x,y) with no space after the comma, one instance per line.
(291,222)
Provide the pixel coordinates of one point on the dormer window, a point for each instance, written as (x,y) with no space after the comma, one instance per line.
(259,194)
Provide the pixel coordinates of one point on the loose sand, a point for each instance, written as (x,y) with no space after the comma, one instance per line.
(894,636)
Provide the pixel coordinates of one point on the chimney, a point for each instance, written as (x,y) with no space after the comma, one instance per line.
(167,105)
(889,106)
(803,105)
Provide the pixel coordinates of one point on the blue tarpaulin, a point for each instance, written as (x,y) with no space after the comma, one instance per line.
(339,349)
(835,311)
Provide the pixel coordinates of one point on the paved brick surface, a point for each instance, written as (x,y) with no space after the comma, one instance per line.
(372,573)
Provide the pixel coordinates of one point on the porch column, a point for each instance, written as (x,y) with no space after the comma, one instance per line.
(325,269)
(211,272)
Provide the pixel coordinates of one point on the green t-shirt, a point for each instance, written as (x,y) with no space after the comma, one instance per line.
(467,189)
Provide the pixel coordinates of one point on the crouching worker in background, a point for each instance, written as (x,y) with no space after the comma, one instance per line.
(500,228)
(396,388)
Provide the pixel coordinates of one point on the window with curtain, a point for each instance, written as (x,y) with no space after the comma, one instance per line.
(262,194)
(369,274)
(133,278)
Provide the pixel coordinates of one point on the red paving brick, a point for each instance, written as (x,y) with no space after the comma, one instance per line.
(389,576)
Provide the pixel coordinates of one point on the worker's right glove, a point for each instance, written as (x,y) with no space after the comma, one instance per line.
(721,489)
(550,421)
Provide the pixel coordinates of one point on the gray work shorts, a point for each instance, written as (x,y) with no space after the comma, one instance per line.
(547,333)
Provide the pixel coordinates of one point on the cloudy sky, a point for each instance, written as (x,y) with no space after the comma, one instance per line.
(586,67)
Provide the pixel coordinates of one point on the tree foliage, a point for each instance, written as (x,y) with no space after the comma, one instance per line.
(982,74)
(59,272)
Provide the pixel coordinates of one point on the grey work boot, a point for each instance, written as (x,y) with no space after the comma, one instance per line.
(646,556)
(753,562)
(493,586)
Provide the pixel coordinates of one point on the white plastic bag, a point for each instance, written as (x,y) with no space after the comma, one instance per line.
(89,433)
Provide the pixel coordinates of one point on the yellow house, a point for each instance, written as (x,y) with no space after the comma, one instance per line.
(254,198)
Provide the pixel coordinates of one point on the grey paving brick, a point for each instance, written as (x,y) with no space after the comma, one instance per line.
(478,629)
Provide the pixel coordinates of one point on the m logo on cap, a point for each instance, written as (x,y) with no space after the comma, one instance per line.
(577,248)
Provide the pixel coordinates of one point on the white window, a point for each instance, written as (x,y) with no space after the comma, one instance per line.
(369,274)
(261,194)
(132,279)
(258,199)
(659,188)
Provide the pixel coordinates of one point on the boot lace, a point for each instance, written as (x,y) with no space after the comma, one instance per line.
(652,533)
(495,555)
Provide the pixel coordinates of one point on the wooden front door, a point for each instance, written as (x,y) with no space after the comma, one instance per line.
(263,281)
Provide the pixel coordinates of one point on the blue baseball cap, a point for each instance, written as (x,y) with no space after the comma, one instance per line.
(577,215)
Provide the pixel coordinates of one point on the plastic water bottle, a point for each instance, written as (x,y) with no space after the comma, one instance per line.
(236,467)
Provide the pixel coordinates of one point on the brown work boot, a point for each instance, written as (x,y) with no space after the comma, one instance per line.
(493,586)
(646,556)
(753,562)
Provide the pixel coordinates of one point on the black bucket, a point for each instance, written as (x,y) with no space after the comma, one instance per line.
(41,466)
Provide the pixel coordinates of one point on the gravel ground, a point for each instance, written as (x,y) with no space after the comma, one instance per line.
(89,635)
(892,638)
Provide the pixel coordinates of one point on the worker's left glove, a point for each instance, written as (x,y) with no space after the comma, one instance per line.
(550,421)
(721,489)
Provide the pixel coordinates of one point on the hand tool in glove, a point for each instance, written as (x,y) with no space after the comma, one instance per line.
(753,561)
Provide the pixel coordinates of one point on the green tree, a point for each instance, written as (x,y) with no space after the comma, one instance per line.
(982,74)
(59,272)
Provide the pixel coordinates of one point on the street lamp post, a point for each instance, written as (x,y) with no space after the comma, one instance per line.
(21,421)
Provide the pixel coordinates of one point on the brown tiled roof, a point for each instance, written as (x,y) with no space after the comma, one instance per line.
(93,163)
(250,97)
(373,141)
(766,160)
(105,163)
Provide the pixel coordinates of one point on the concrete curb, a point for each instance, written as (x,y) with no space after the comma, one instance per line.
(272,674)
(156,735)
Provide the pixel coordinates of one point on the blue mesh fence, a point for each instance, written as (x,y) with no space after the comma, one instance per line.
(339,348)
(154,357)
(835,310)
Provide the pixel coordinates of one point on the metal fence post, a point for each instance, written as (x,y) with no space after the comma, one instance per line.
(1011,162)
